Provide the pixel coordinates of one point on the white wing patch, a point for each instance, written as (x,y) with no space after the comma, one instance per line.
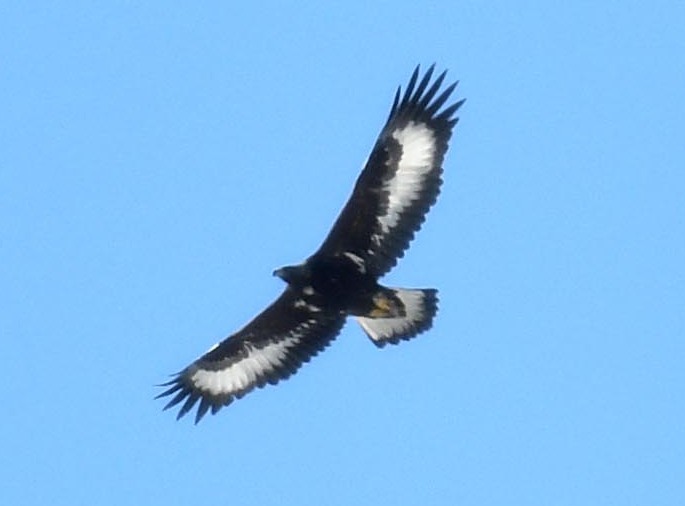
(244,373)
(417,160)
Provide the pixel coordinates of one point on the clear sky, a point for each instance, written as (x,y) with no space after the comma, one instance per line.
(158,160)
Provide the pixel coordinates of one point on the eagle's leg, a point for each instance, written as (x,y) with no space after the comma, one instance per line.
(386,304)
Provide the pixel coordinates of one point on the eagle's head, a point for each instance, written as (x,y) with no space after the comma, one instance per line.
(295,275)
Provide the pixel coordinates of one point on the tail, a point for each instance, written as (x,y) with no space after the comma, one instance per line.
(420,307)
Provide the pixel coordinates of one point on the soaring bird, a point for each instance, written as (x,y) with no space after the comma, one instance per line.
(397,186)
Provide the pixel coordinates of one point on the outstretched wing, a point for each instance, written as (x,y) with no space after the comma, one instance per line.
(270,348)
(401,179)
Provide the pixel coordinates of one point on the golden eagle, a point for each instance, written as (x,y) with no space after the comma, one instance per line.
(398,185)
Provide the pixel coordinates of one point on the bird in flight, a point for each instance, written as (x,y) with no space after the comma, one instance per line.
(398,185)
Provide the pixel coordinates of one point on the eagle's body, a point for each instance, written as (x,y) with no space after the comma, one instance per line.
(400,182)
(340,283)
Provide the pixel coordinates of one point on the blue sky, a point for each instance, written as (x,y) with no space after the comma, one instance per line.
(158,161)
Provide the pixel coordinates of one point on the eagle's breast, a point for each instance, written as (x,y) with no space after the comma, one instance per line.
(338,277)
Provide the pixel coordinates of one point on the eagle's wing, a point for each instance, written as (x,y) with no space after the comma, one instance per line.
(269,349)
(401,179)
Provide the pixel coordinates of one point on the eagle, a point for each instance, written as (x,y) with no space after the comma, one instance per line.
(397,186)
